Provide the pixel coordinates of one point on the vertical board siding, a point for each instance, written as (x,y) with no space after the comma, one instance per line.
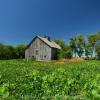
(38,50)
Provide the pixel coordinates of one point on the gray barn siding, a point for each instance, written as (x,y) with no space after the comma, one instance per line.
(44,51)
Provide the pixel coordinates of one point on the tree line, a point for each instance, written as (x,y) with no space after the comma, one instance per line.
(87,47)
(10,52)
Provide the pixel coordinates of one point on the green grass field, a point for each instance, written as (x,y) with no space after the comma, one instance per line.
(22,80)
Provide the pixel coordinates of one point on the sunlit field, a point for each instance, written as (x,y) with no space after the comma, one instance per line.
(32,80)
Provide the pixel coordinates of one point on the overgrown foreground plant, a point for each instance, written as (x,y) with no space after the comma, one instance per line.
(59,84)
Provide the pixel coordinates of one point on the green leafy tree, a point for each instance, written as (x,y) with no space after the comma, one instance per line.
(73,45)
(65,51)
(98,36)
(80,44)
(87,50)
(20,51)
(6,52)
(92,39)
(1,51)
(9,52)
(77,45)
(98,51)
(98,46)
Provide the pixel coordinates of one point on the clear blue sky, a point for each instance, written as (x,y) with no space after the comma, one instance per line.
(20,20)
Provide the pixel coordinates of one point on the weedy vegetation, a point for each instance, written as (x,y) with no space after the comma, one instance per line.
(32,80)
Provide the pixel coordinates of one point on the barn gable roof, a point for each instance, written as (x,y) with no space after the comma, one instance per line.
(51,43)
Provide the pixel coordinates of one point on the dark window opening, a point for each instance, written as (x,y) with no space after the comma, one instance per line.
(33,57)
(37,52)
(45,56)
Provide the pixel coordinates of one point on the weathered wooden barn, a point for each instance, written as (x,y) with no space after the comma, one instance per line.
(42,48)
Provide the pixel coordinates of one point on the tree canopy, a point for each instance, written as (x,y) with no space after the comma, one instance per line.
(10,52)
